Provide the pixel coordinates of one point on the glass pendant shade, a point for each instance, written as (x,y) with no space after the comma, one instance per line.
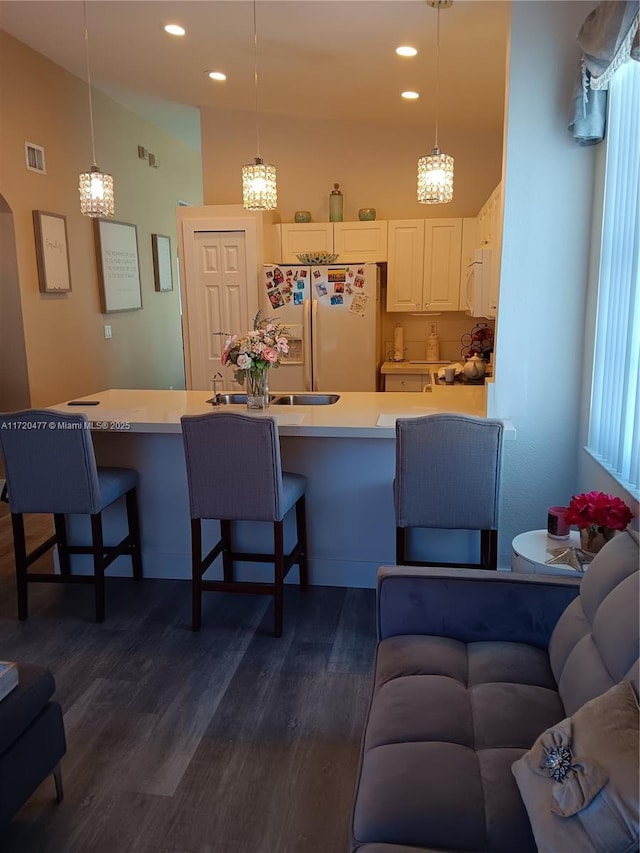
(96,194)
(435,178)
(259,189)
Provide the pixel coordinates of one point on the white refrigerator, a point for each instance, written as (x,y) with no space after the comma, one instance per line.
(332,314)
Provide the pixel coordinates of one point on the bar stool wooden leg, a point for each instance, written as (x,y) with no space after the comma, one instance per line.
(196,574)
(133,520)
(278,593)
(61,536)
(98,564)
(227,561)
(301,529)
(400,546)
(20,551)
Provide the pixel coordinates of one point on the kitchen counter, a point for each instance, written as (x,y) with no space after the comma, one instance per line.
(392,367)
(346,451)
(357,414)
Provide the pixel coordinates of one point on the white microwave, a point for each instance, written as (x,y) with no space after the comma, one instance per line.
(478,290)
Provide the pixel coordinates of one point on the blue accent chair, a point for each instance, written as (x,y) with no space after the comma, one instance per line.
(51,468)
(234,473)
(448,477)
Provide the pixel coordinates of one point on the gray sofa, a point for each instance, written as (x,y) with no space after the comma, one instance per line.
(471,667)
(32,740)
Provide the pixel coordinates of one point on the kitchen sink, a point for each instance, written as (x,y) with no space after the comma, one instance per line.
(305,400)
(228,399)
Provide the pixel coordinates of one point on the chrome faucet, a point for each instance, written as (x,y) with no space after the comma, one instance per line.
(427,385)
(215,400)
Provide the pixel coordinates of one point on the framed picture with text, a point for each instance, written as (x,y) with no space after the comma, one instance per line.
(118,265)
(162,262)
(52,252)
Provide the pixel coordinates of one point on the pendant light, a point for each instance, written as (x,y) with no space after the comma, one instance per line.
(259,190)
(96,187)
(435,170)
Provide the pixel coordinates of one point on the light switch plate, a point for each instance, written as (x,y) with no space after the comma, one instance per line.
(108,333)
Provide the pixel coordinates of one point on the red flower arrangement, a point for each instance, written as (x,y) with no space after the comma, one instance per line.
(600,509)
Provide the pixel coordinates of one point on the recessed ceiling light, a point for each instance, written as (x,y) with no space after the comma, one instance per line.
(406,51)
(216,75)
(175,30)
(410,96)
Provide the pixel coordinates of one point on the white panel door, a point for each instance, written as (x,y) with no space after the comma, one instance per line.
(216,303)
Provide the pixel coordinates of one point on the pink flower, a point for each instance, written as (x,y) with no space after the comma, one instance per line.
(270,355)
(600,509)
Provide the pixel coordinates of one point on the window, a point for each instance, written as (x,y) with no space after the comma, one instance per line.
(614,427)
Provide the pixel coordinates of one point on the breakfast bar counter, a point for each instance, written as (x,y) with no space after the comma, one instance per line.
(357,414)
(346,450)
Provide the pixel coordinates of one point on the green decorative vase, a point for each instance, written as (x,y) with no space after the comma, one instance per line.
(367,214)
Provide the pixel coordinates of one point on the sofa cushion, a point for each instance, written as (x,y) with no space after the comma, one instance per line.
(594,807)
(446,723)
(20,708)
(595,643)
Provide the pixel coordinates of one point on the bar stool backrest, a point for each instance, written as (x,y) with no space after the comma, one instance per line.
(49,462)
(448,472)
(234,470)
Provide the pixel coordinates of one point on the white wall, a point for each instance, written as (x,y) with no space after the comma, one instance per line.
(549,184)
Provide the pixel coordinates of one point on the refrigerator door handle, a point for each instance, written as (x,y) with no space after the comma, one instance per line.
(306,316)
(315,332)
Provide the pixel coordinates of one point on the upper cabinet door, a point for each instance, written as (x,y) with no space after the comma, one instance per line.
(299,237)
(442,254)
(405,265)
(356,242)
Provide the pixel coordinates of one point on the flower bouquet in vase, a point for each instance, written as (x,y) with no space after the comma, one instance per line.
(599,517)
(254,354)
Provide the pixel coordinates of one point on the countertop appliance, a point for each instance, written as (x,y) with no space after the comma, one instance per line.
(333,315)
(478,290)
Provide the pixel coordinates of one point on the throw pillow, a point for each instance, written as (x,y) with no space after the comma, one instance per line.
(579,781)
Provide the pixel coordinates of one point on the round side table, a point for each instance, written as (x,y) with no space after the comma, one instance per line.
(531,550)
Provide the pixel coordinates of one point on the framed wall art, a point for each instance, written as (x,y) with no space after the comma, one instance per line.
(162,263)
(118,265)
(52,252)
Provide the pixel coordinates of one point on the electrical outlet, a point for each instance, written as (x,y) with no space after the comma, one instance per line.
(433,328)
(108,333)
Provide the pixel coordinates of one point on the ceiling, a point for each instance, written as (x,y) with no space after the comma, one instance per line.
(333,59)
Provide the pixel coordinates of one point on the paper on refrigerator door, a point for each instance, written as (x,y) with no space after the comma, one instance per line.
(286,285)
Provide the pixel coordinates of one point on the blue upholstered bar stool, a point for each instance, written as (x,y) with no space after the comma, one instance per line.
(448,476)
(234,473)
(51,468)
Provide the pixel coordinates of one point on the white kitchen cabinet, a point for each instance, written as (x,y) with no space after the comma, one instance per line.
(469,245)
(294,238)
(424,257)
(489,226)
(353,242)
(356,242)
(405,382)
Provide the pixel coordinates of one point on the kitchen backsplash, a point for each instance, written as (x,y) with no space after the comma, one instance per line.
(451,326)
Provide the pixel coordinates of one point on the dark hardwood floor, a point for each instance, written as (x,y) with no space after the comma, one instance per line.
(226,741)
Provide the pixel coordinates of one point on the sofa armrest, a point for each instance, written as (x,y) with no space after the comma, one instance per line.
(471,605)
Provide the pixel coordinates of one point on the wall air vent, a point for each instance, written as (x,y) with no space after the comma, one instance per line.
(34,156)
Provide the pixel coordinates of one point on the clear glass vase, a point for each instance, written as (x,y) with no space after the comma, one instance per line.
(257,389)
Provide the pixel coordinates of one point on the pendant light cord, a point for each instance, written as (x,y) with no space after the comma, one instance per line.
(86,46)
(437,73)
(255,75)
